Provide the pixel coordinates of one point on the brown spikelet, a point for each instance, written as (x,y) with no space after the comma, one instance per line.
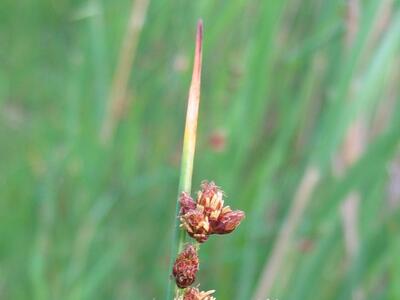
(185,267)
(227,222)
(196,225)
(196,294)
(186,203)
(210,199)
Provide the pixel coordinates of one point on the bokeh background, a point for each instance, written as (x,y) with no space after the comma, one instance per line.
(299,124)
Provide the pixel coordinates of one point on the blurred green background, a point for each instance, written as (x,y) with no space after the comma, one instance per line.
(299,124)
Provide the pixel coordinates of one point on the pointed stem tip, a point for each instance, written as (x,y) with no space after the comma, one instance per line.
(198,50)
(200,31)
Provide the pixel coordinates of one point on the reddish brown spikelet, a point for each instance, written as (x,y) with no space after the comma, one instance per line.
(185,267)
(186,202)
(196,224)
(208,190)
(195,294)
(227,222)
(210,200)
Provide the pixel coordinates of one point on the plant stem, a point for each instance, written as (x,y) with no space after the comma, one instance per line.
(189,145)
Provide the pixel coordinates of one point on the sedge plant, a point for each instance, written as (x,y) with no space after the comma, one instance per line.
(200,218)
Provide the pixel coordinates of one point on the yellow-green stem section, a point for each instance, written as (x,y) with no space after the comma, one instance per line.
(189,146)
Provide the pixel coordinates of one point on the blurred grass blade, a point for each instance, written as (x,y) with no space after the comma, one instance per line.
(117,101)
(300,202)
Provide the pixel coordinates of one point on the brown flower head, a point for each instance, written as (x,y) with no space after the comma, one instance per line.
(210,200)
(208,215)
(227,222)
(195,294)
(196,224)
(186,202)
(186,266)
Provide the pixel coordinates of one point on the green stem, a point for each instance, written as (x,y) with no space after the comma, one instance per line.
(189,145)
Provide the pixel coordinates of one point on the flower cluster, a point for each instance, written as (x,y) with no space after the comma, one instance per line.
(207,215)
(201,218)
(195,294)
(186,266)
